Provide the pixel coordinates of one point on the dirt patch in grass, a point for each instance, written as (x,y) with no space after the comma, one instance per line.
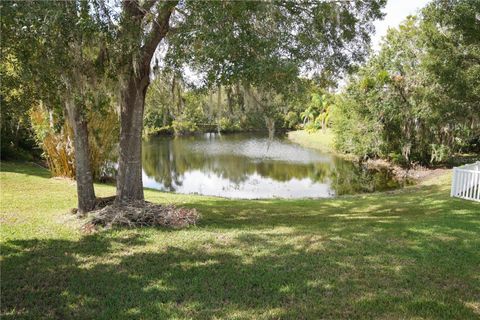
(416,173)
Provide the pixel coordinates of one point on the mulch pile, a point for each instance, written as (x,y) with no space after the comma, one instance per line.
(142,214)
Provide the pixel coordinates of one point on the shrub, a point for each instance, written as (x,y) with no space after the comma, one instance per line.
(184,127)
(291,120)
(228,125)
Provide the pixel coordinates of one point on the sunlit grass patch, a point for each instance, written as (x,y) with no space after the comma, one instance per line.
(320,140)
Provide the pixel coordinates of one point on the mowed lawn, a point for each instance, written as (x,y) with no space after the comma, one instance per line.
(408,254)
(320,140)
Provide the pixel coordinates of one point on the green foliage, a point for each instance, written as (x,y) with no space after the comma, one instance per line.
(183,127)
(291,120)
(417,100)
(266,43)
(53,54)
(226,108)
(356,130)
(228,125)
(318,113)
(16,98)
(193,107)
(252,52)
(69,50)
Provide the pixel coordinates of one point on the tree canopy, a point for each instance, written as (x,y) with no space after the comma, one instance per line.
(417,100)
(269,43)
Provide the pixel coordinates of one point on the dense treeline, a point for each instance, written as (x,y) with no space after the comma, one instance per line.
(172,106)
(48,69)
(418,98)
(17,138)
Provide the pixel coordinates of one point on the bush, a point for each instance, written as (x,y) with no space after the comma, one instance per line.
(291,120)
(184,127)
(228,125)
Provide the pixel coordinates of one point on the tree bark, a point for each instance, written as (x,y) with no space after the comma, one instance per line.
(129,177)
(270,123)
(83,171)
(132,99)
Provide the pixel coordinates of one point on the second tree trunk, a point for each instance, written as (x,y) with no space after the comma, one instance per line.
(83,171)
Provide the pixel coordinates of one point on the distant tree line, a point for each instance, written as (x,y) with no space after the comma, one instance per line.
(175,107)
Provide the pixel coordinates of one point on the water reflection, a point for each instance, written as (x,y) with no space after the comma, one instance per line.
(252,166)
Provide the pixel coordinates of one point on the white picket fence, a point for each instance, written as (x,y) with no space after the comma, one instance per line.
(466,182)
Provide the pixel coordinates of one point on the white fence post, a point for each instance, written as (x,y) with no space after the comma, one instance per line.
(453,191)
(466,182)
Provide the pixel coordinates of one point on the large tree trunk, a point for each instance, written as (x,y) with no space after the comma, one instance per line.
(129,177)
(83,171)
(132,100)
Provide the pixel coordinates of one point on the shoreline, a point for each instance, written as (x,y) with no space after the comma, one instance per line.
(323,141)
(416,174)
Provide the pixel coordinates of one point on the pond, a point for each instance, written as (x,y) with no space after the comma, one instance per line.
(252,166)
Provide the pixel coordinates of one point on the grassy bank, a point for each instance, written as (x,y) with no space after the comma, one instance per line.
(319,140)
(414,253)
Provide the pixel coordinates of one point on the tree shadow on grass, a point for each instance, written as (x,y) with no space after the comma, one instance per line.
(321,265)
(26,168)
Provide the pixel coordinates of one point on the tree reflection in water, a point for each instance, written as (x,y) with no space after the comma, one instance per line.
(252,166)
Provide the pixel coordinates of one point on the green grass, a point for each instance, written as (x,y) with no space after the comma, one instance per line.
(413,253)
(320,140)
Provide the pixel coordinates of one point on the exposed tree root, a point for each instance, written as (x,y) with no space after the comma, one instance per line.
(103,202)
(99,204)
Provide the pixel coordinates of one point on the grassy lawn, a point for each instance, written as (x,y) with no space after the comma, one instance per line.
(319,140)
(413,253)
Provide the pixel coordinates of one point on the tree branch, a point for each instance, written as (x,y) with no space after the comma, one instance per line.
(133,9)
(159,30)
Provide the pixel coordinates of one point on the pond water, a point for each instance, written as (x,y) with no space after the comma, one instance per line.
(251,166)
